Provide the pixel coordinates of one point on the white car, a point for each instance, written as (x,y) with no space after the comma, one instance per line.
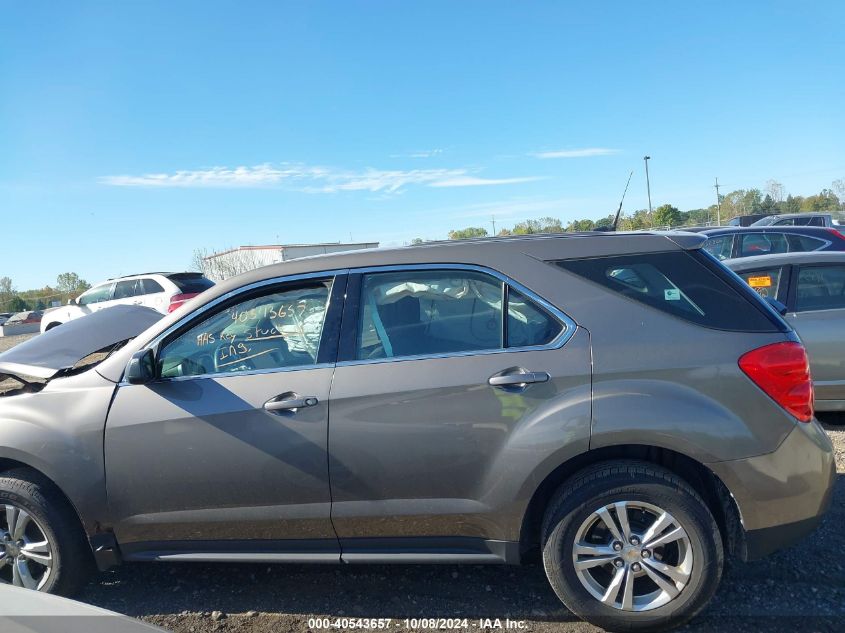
(161,291)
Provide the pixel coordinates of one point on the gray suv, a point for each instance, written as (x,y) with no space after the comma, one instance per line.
(620,404)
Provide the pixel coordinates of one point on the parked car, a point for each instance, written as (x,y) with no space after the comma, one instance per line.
(620,402)
(24,611)
(26,322)
(746,220)
(734,242)
(811,286)
(161,291)
(798,219)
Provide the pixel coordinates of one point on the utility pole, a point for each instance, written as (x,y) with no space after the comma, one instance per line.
(718,204)
(493,220)
(647,183)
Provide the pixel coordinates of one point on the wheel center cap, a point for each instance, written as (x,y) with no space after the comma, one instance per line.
(631,554)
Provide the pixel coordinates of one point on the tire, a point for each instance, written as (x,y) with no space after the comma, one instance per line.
(40,514)
(695,559)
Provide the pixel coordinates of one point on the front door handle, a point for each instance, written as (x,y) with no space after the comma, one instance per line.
(518,377)
(290,402)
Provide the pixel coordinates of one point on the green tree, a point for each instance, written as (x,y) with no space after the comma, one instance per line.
(467,233)
(792,204)
(824,201)
(581,225)
(667,215)
(543,225)
(70,283)
(17,304)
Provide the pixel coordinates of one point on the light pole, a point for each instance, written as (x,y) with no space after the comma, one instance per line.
(647,183)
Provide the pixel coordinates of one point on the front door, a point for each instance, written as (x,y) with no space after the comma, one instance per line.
(442,404)
(228,445)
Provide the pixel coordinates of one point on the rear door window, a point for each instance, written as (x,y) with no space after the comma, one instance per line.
(720,247)
(127,289)
(434,312)
(820,288)
(764,281)
(762,244)
(688,285)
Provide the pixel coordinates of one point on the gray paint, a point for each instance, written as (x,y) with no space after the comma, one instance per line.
(413,450)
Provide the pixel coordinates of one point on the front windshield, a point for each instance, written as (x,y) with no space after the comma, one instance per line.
(765,221)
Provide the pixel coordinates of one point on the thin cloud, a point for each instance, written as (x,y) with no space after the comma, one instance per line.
(425,153)
(474,181)
(310,179)
(576,153)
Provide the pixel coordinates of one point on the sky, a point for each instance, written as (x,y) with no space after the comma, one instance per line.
(133,133)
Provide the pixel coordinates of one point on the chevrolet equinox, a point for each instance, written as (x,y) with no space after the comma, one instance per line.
(621,405)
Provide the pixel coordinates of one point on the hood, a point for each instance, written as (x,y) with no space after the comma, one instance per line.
(61,348)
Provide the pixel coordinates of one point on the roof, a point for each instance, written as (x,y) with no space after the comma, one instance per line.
(781,259)
(810,230)
(281,247)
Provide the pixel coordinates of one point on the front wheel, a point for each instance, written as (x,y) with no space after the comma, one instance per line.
(630,546)
(42,545)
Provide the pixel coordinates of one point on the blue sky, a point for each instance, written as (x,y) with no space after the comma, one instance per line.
(132,133)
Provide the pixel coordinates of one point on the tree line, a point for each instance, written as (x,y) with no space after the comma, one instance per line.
(68,285)
(773,199)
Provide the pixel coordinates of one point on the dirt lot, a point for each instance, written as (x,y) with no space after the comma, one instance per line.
(799,589)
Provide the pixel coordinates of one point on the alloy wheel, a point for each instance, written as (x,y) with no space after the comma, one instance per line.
(26,554)
(632,556)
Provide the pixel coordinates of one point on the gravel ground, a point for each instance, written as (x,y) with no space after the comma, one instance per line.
(802,588)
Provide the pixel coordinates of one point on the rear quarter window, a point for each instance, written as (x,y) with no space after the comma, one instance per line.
(686,284)
(188,283)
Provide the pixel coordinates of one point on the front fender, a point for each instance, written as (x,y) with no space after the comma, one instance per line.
(59,432)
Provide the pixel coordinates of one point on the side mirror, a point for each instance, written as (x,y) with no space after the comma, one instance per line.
(777,305)
(141,368)
(71,301)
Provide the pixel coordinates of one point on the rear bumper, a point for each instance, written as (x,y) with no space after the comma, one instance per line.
(761,543)
(783,495)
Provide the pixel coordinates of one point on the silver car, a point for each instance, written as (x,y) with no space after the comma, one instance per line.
(811,287)
(619,405)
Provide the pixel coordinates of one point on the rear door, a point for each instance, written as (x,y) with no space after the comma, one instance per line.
(430,394)
(817,312)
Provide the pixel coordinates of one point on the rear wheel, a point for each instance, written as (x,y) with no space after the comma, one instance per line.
(42,544)
(630,546)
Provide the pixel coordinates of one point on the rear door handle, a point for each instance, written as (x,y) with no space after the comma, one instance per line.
(518,378)
(290,402)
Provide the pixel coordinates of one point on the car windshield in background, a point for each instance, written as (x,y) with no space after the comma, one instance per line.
(679,284)
(191,282)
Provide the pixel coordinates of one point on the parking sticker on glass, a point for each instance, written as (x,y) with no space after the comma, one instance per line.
(760,282)
(672,294)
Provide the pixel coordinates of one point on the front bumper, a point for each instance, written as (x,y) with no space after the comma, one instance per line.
(783,495)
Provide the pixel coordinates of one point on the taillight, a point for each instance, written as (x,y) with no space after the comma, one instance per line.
(783,372)
(178,300)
